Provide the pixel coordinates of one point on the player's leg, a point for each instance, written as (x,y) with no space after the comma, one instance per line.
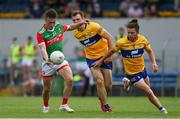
(47,82)
(97,74)
(66,73)
(107,74)
(141,84)
(101,91)
(47,75)
(147,81)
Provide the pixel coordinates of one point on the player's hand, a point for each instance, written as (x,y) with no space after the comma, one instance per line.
(49,63)
(86,21)
(155,67)
(98,63)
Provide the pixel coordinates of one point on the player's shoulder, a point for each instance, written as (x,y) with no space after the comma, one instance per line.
(142,37)
(123,40)
(93,24)
(41,30)
(58,25)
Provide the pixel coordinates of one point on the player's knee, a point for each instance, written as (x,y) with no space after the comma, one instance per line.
(99,82)
(69,81)
(150,93)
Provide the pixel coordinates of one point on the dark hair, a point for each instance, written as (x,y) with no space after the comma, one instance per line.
(77,12)
(133,24)
(50,13)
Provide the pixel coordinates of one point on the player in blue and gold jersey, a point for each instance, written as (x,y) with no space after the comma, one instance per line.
(132,49)
(96,41)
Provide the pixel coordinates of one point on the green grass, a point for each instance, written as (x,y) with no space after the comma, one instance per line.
(87,107)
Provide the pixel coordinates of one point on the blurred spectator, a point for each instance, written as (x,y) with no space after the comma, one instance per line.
(135,10)
(97,12)
(84,71)
(177,5)
(36,8)
(61,6)
(15,58)
(70,7)
(28,13)
(30,86)
(52,3)
(117,59)
(15,52)
(123,8)
(151,11)
(29,52)
(89,11)
(121,34)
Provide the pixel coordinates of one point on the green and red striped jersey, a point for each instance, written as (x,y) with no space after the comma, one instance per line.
(52,38)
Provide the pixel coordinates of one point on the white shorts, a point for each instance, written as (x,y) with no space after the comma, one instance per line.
(49,71)
(82,66)
(27,62)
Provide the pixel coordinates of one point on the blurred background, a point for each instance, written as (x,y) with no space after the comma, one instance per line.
(20,20)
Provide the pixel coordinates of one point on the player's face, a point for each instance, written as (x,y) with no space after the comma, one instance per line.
(132,33)
(50,23)
(77,18)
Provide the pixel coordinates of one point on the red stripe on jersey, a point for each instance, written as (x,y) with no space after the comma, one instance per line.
(66,27)
(55,39)
(39,38)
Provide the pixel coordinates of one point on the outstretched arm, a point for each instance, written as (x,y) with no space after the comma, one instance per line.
(77,25)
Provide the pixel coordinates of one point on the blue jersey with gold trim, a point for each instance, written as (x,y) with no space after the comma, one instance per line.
(132,53)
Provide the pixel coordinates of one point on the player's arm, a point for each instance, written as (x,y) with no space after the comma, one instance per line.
(99,62)
(152,57)
(43,52)
(78,24)
(105,34)
(43,49)
(114,49)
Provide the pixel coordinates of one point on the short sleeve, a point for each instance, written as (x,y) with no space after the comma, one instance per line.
(147,44)
(39,38)
(97,28)
(117,46)
(65,27)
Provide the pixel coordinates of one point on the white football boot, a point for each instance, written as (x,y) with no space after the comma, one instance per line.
(164,111)
(45,109)
(66,108)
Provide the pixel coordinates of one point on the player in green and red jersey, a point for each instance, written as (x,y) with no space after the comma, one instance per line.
(50,38)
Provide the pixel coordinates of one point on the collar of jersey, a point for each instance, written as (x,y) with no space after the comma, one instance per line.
(51,29)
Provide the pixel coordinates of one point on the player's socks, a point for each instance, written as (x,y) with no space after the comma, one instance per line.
(64,101)
(46,103)
(102,106)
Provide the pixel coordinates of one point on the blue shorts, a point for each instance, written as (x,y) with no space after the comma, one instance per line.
(104,65)
(136,77)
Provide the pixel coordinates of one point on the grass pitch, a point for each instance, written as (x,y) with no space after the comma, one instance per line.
(88,107)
